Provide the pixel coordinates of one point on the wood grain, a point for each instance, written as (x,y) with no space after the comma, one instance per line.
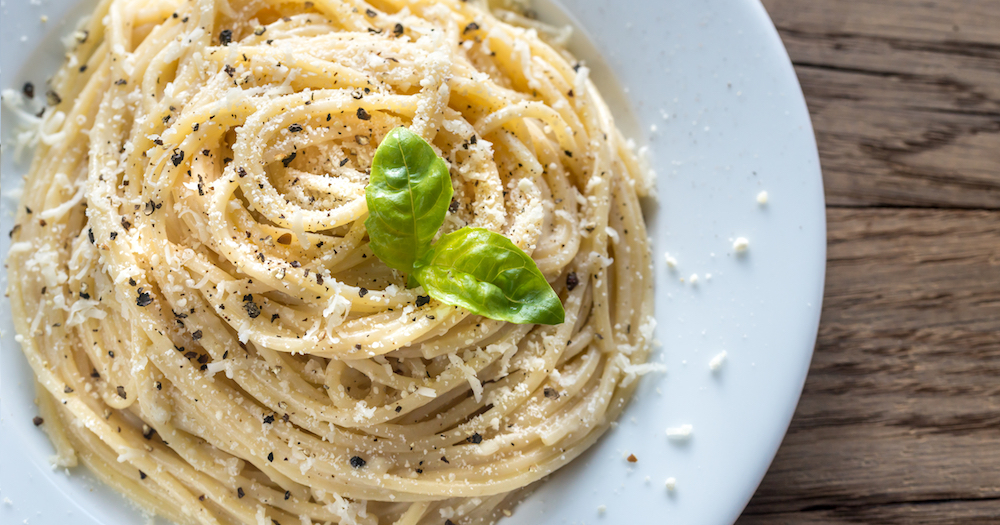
(904,96)
(902,404)
(899,421)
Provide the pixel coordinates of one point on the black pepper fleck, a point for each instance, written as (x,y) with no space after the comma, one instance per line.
(295,128)
(363,115)
(178,157)
(358,462)
(422,300)
(144,299)
(252,309)
(475,438)
(572,281)
(288,160)
(226,37)
(28,90)
(37,421)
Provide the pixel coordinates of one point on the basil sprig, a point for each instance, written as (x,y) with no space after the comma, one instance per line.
(488,275)
(484,272)
(408,196)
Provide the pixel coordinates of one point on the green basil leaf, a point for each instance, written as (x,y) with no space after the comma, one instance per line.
(408,196)
(485,273)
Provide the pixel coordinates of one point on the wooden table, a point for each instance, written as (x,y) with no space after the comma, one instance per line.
(900,418)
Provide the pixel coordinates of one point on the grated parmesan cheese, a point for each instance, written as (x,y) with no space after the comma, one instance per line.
(681,433)
(426,392)
(716,362)
(741,244)
(671,260)
(470,376)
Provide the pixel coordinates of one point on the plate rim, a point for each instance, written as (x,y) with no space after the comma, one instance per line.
(8,345)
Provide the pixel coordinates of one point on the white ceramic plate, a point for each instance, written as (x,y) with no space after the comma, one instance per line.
(709,87)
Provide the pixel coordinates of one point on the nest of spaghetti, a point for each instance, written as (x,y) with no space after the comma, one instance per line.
(192,285)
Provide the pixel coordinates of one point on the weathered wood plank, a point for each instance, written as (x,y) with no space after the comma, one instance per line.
(972,512)
(900,417)
(904,96)
(963,21)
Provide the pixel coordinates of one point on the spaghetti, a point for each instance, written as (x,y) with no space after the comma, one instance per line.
(191,281)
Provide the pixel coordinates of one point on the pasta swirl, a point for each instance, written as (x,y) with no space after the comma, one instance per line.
(191,281)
